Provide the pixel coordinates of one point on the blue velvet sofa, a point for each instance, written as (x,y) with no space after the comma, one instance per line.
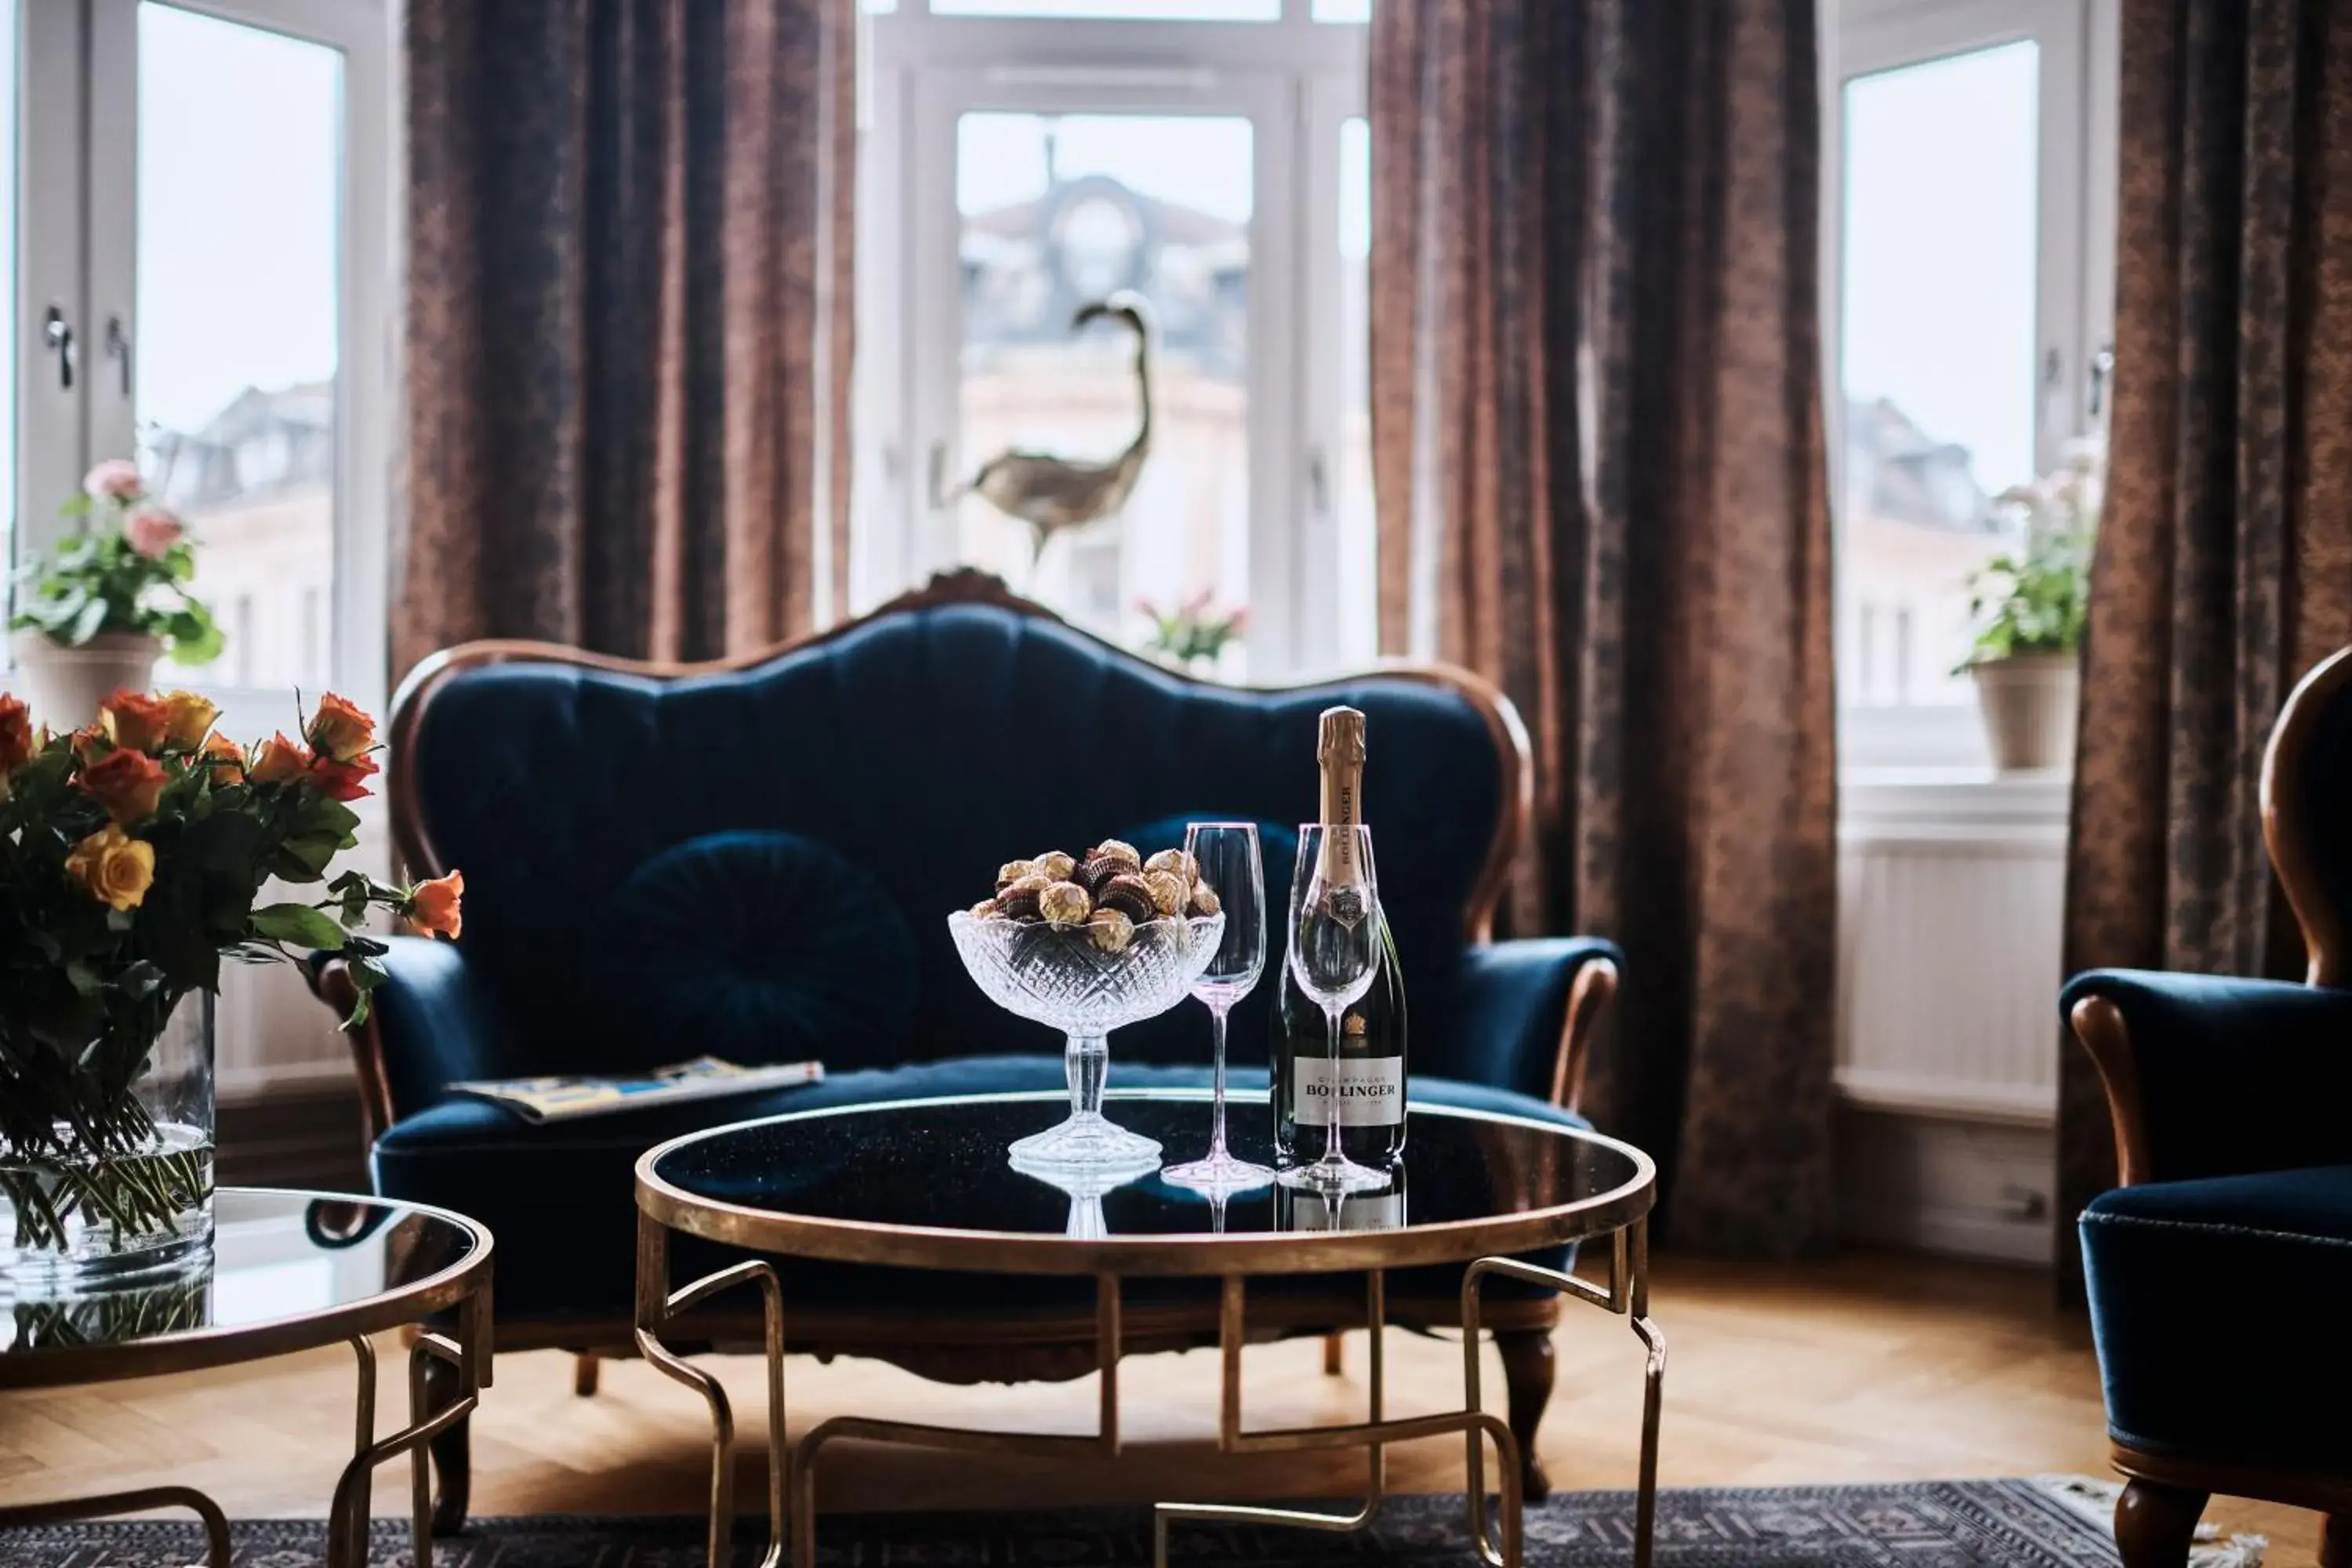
(2219,1272)
(757,860)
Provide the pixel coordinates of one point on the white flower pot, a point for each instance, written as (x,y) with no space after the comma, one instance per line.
(64,686)
(2029,704)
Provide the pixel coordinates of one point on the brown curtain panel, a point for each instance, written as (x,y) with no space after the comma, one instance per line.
(1596,405)
(627,340)
(2224,560)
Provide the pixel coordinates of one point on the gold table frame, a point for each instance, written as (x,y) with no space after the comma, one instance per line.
(1620,1215)
(464,1287)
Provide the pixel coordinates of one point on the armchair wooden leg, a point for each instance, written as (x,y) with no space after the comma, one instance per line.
(1335,1349)
(452,1451)
(584,1373)
(2336,1541)
(2155,1525)
(1527,1371)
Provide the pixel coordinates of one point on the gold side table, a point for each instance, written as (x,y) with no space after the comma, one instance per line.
(289,1272)
(925,1184)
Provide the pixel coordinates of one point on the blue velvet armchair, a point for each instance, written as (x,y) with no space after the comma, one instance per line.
(756,860)
(2219,1272)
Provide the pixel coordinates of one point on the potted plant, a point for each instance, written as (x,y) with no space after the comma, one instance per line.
(2031,605)
(1193,635)
(134,855)
(95,613)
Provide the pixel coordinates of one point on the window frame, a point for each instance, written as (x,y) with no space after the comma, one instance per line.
(2076,298)
(76,248)
(1297,80)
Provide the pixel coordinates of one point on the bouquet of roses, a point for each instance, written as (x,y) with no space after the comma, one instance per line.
(135,855)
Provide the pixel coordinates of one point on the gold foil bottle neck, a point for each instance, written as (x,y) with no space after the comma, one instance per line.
(1340,737)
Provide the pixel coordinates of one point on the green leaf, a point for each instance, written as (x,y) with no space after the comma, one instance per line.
(86,625)
(300,924)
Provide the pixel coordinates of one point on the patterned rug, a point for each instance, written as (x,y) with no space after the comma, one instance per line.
(2047,1523)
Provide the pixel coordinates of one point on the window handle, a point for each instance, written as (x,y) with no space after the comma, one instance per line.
(1318,482)
(118,348)
(935,480)
(58,334)
(2103,369)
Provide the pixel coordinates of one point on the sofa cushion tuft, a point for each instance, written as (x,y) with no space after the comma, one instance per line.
(756,946)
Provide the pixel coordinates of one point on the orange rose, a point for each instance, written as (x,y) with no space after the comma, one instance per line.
(188,719)
(343,781)
(89,743)
(227,761)
(339,730)
(117,869)
(127,782)
(435,907)
(135,720)
(279,760)
(17,742)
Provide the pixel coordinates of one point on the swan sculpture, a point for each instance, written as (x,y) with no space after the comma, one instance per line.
(1053,494)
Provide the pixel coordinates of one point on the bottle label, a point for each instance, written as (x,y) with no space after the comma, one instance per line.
(1380,1210)
(1370,1091)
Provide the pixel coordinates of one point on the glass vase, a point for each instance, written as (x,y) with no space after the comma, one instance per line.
(120,1194)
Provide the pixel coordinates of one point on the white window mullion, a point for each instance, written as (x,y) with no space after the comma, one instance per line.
(51,435)
(111,216)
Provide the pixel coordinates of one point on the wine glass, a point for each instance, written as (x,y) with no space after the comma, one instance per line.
(1227,856)
(1335,951)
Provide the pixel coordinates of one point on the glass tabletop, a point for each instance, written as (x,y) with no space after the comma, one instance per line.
(927,1183)
(287,1270)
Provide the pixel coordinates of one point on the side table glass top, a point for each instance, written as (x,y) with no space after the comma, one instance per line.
(926,1183)
(288,1269)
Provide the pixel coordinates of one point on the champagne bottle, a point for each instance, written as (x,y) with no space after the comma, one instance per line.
(1370,1091)
(1378,1209)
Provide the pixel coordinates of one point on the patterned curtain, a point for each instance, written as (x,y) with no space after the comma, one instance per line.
(2224,560)
(627,340)
(1597,413)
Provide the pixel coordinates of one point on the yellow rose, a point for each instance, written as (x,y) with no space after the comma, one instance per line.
(117,869)
(188,718)
(135,720)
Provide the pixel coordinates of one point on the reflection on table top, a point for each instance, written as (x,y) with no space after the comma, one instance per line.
(927,1183)
(287,1270)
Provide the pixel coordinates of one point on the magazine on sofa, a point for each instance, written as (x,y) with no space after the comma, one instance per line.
(563,1099)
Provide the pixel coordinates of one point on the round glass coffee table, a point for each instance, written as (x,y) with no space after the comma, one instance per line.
(926,1185)
(287,1271)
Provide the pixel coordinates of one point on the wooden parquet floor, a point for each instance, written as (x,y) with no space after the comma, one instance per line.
(1870,1367)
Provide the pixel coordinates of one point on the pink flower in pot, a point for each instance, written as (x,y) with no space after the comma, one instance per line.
(117,479)
(151,530)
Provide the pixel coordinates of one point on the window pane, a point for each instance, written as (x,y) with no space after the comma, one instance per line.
(240,134)
(1059,210)
(1118,10)
(1358,532)
(1940,271)
(1343,10)
(9,67)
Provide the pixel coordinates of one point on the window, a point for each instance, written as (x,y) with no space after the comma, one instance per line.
(1966,311)
(1028,159)
(214,248)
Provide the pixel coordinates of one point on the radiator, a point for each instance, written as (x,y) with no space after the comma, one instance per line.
(1952,896)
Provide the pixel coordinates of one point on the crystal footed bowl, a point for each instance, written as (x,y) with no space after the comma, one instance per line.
(1058,976)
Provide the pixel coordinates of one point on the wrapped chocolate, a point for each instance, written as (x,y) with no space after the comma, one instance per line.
(1013,871)
(1205,901)
(1020,900)
(985,909)
(1170,893)
(1054,863)
(1110,930)
(1065,904)
(1117,849)
(1096,873)
(1176,863)
(1130,896)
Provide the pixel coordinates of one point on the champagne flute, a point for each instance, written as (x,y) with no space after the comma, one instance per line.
(1227,856)
(1335,951)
